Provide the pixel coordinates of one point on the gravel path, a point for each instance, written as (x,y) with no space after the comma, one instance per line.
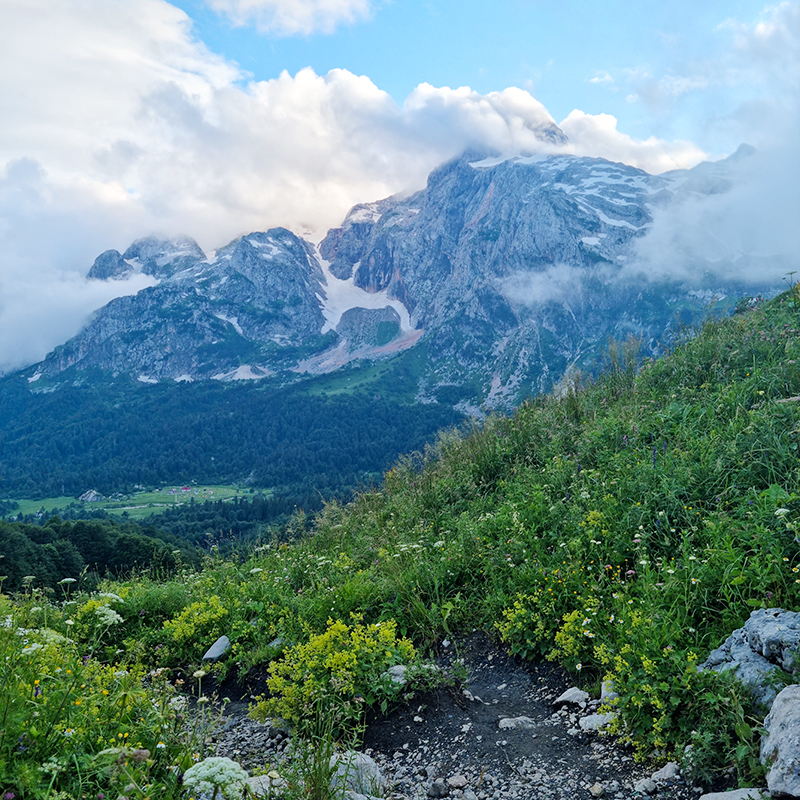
(461,743)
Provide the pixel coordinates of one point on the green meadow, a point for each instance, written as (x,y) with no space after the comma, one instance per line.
(622,527)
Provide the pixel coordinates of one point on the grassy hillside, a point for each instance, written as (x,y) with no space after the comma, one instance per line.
(623,528)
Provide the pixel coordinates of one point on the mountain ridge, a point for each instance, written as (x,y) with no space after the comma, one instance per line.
(511,271)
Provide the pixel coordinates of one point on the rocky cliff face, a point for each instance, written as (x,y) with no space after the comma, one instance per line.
(507,272)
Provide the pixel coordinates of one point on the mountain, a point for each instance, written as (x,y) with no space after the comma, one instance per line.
(504,272)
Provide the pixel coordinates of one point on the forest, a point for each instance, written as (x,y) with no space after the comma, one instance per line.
(114,436)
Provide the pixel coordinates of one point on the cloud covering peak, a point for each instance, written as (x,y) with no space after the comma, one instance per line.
(119,123)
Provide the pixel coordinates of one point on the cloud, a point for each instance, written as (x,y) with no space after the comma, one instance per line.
(118,123)
(737,94)
(750,232)
(597,135)
(747,234)
(290,17)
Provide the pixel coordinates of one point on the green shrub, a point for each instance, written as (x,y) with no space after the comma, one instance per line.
(343,664)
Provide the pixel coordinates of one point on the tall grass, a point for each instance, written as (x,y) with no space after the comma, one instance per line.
(623,527)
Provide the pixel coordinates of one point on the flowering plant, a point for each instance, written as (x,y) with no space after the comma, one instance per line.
(217,774)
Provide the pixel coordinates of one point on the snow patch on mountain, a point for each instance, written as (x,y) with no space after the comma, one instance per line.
(245,372)
(342,295)
(231,321)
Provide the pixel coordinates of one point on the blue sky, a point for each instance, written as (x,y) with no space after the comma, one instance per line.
(573,54)
(213,118)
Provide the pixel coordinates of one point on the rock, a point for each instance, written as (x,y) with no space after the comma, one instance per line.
(357,772)
(517,723)
(737,794)
(573,695)
(669,772)
(266,785)
(607,693)
(457,782)
(397,674)
(596,790)
(218,649)
(775,634)
(110,264)
(645,786)
(780,744)
(468,794)
(438,788)
(753,653)
(596,722)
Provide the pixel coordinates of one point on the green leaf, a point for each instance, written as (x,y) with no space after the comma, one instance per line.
(743,730)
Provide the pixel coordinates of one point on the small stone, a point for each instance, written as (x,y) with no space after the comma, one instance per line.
(266,785)
(645,786)
(418,719)
(669,772)
(607,692)
(596,790)
(397,674)
(596,722)
(438,788)
(457,782)
(573,695)
(517,723)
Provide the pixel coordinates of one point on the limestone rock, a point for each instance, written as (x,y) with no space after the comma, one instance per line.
(669,772)
(515,723)
(737,794)
(780,745)
(573,695)
(266,785)
(397,674)
(645,786)
(218,649)
(596,722)
(765,643)
(438,788)
(607,693)
(357,772)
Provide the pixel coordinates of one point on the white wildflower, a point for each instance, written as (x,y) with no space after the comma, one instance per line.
(216,772)
(108,616)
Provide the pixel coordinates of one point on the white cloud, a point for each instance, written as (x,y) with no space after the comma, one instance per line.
(601,77)
(117,123)
(597,135)
(288,17)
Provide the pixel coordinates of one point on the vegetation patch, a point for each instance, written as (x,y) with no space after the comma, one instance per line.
(622,528)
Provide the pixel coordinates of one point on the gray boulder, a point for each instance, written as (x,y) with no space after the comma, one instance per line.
(218,649)
(760,651)
(669,772)
(780,744)
(356,772)
(737,794)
